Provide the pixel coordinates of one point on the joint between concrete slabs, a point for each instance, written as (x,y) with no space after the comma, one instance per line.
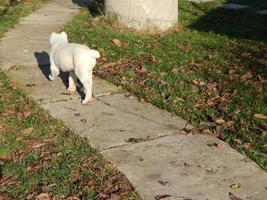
(142,140)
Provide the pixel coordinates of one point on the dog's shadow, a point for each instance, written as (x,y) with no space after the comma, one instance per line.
(44,66)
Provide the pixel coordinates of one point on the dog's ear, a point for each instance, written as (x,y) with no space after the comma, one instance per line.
(64,34)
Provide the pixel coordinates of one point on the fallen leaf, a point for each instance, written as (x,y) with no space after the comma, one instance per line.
(207,132)
(34,170)
(214,144)
(233,197)
(246,76)
(43,196)
(46,155)
(115,197)
(12,85)
(220,121)
(263,126)
(30,84)
(74,176)
(235,185)
(238,141)
(26,131)
(6,196)
(27,112)
(36,143)
(83,120)
(247,145)
(45,188)
(5,159)
(117,42)
(164,183)
(229,124)
(260,116)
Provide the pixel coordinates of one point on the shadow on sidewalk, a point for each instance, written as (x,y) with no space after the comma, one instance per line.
(44,66)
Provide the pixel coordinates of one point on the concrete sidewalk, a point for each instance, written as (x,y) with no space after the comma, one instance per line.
(144,142)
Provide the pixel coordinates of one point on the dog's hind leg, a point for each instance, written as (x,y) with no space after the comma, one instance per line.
(72,82)
(87,82)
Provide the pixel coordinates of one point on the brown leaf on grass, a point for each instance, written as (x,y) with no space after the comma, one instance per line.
(117,42)
(46,155)
(37,143)
(206,132)
(12,85)
(246,76)
(6,196)
(5,159)
(247,145)
(74,176)
(198,105)
(238,141)
(260,116)
(31,196)
(231,71)
(34,170)
(115,197)
(26,131)
(260,89)
(220,121)
(229,124)
(262,125)
(43,196)
(27,112)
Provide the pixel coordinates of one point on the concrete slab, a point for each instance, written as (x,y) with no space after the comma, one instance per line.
(189,167)
(108,125)
(234,6)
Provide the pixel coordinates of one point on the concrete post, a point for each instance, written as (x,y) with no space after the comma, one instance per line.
(144,14)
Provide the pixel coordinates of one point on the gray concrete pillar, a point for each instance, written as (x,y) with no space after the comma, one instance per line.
(144,14)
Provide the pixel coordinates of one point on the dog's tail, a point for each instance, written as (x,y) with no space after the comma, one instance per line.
(94,53)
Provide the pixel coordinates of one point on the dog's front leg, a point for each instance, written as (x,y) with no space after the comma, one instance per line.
(54,70)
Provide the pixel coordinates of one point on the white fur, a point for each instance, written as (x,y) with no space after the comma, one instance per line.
(77,59)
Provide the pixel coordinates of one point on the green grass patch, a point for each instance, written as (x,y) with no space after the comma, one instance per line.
(40,156)
(10,15)
(211,71)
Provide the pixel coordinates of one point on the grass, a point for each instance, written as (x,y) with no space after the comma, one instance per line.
(211,70)
(40,156)
(9,16)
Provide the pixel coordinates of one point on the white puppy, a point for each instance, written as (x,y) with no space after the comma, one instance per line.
(77,59)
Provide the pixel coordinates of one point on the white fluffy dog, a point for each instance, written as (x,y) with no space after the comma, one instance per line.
(77,59)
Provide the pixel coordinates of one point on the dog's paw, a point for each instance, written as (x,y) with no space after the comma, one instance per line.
(51,77)
(86,102)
